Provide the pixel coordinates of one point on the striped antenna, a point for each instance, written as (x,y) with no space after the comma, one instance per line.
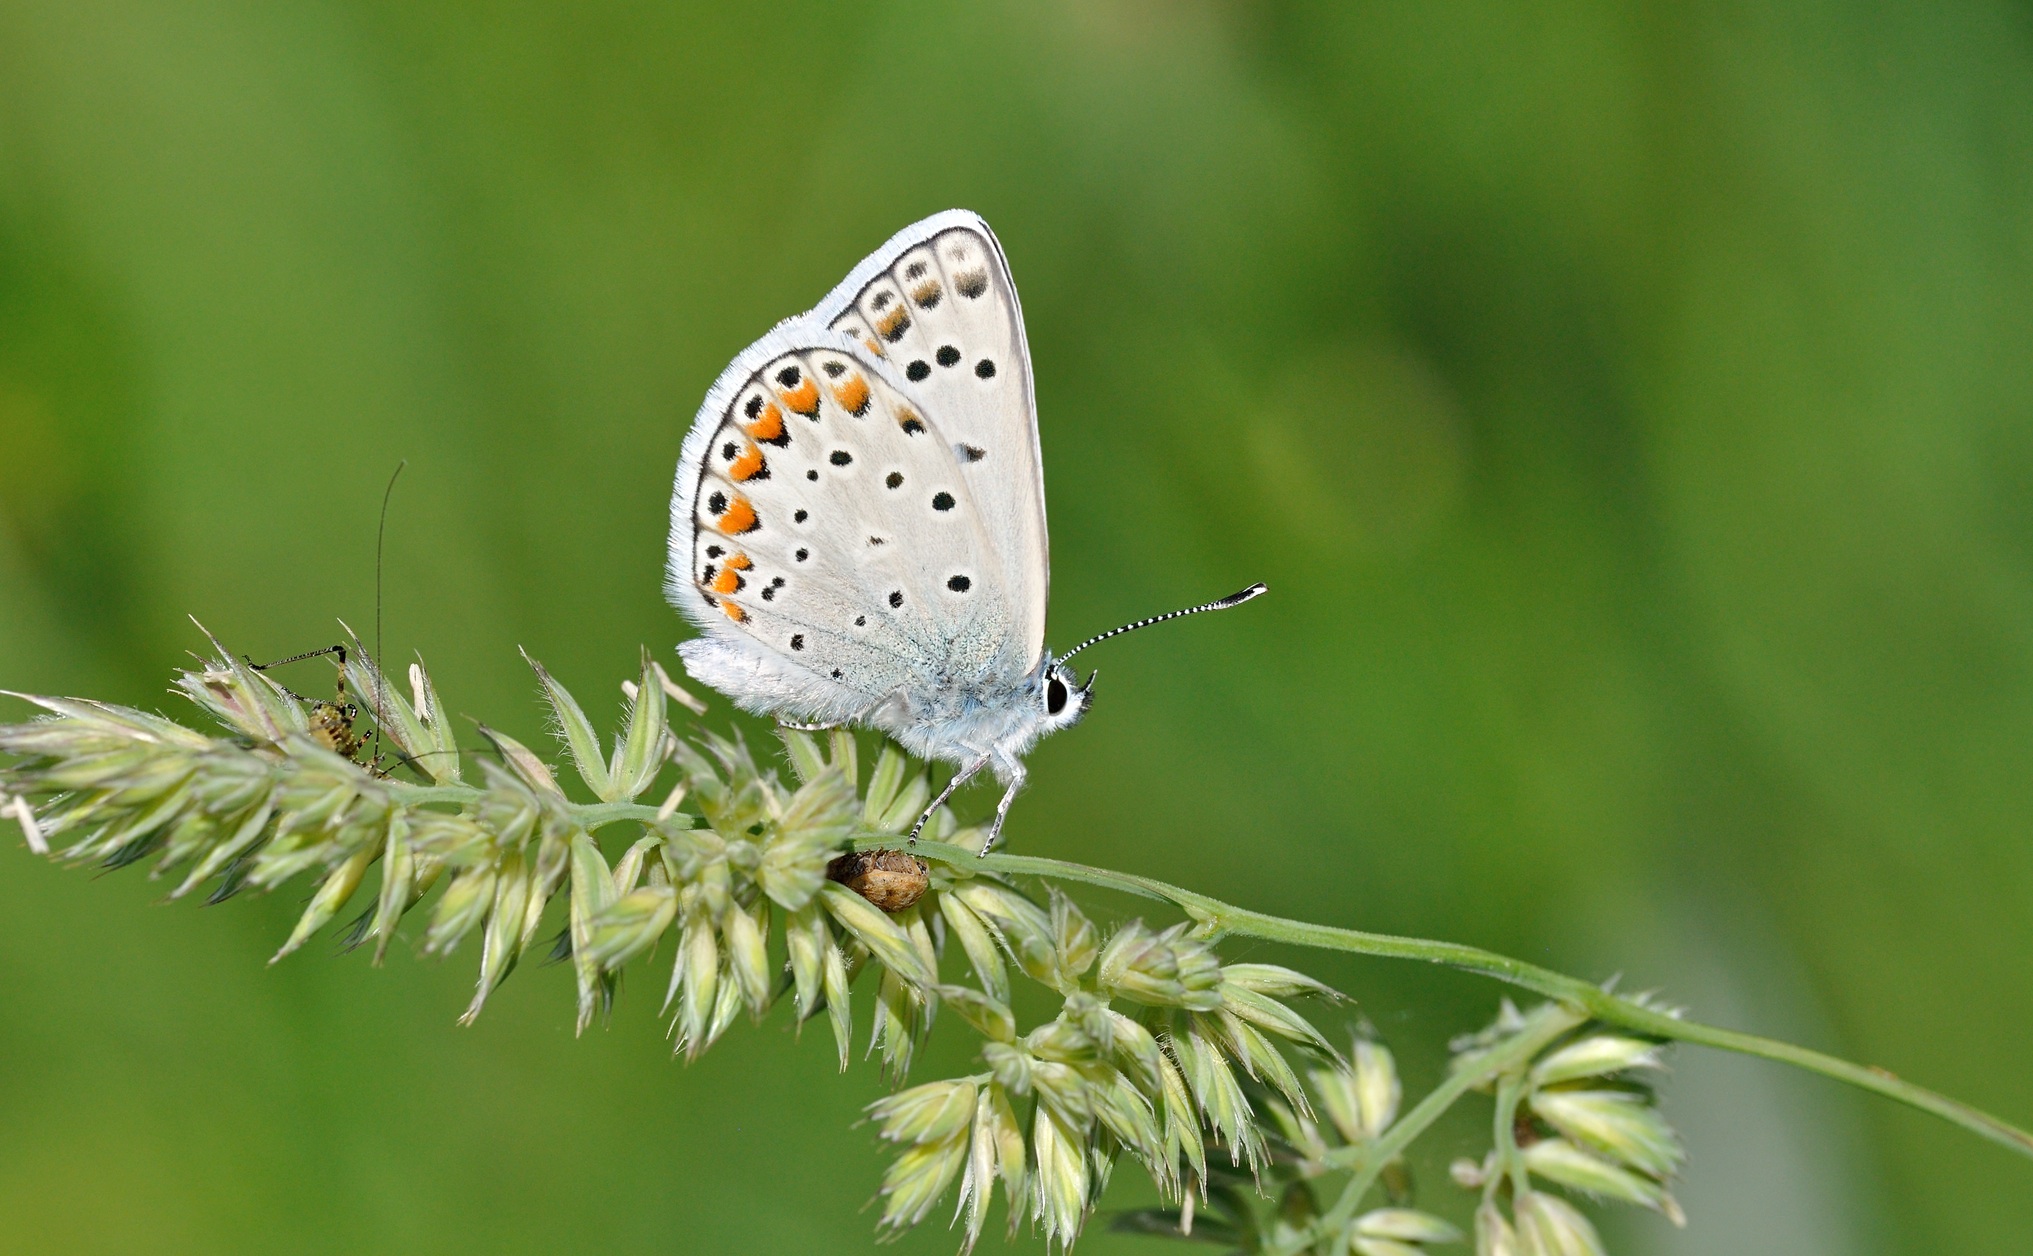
(1233,599)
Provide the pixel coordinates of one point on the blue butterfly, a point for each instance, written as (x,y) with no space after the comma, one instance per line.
(858,527)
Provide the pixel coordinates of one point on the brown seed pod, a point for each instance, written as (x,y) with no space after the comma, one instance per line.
(890,879)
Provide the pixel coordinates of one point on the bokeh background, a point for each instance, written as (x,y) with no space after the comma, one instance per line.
(1629,406)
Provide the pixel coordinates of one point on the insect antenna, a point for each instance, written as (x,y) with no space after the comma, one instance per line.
(1233,599)
(380,543)
(339,650)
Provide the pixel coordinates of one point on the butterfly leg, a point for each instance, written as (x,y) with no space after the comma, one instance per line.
(959,778)
(809,728)
(1012,771)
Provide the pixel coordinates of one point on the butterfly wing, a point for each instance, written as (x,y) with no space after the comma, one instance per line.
(826,541)
(937,303)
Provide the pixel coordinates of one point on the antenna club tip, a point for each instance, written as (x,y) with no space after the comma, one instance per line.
(1237,599)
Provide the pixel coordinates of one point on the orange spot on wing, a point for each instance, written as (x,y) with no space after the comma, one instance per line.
(852,395)
(894,324)
(729,578)
(768,426)
(745,466)
(734,612)
(804,398)
(874,345)
(738,518)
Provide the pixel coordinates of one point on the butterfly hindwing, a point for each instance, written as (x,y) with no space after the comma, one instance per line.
(938,305)
(827,539)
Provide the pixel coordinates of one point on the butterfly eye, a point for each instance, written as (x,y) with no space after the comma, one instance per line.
(1055,696)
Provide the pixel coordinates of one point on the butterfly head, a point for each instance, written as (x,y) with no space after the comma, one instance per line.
(1063,697)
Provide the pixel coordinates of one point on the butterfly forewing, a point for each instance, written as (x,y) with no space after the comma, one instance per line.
(938,304)
(831,522)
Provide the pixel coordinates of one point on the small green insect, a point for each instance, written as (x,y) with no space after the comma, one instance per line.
(332,723)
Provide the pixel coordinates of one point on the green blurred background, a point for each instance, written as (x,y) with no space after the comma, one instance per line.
(1628,405)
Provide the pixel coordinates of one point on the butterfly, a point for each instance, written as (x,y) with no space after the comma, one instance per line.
(858,524)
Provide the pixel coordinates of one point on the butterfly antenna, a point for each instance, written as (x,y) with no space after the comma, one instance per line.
(380,543)
(1233,599)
